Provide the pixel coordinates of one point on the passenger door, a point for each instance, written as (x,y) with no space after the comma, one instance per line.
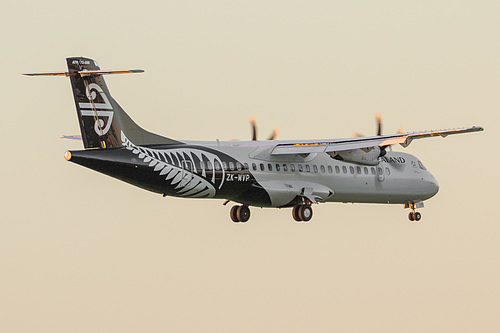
(380,173)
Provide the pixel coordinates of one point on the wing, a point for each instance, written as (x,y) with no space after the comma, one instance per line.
(338,145)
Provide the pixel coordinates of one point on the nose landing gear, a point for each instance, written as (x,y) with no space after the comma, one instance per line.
(413,216)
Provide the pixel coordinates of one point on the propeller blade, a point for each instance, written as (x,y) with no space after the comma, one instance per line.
(357,135)
(378,118)
(274,134)
(254,128)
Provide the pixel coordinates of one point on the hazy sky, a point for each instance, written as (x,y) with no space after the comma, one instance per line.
(82,252)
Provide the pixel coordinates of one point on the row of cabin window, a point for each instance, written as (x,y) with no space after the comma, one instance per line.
(238,166)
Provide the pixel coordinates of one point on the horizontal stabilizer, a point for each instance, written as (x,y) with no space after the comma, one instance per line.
(89,72)
(71,137)
(47,74)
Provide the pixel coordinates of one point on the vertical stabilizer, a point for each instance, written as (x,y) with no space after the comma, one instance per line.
(100,117)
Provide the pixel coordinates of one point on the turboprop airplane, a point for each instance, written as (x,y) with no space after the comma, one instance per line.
(268,173)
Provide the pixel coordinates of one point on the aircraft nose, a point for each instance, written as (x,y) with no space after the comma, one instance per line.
(433,186)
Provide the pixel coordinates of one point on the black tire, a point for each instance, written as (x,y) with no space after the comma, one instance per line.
(305,213)
(243,213)
(418,216)
(295,213)
(411,216)
(233,213)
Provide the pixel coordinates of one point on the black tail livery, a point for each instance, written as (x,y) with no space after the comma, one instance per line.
(101,118)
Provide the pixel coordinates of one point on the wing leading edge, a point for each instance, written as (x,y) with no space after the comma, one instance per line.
(328,146)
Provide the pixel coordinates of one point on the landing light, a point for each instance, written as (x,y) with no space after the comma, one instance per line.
(67,155)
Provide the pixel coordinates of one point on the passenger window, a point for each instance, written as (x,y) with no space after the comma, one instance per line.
(285,167)
(366,170)
(387,171)
(337,169)
(238,166)
(262,167)
(202,165)
(292,167)
(245,166)
(322,167)
(300,168)
(231,166)
(373,171)
(224,165)
(254,167)
(358,169)
(308,168)
(209,165)
(277,167)
(351,169)
(315,168)
(270,167)
(217,165)
(344,169)
(330,170)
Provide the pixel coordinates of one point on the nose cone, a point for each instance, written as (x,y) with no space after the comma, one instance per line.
(432,186)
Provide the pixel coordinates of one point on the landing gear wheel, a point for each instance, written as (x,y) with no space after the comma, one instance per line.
(295,213)
(411,216)
(418,216)
(243,213)
(305,213)
(233,214)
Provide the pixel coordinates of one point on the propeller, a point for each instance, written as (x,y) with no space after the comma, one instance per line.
(378,120)
(253,123)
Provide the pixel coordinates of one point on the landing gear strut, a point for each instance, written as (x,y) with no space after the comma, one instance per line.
(302,213)
(413,216)
(240,213)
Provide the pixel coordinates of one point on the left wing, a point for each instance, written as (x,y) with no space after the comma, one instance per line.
(338,145)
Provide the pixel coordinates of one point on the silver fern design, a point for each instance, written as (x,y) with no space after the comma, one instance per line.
(191,172)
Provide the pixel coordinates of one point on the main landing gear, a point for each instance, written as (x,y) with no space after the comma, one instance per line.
(302,213)
(413,216)
(240,213)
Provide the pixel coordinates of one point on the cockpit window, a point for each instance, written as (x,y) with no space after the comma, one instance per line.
(421,166)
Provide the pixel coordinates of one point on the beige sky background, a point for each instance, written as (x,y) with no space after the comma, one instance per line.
(82,252)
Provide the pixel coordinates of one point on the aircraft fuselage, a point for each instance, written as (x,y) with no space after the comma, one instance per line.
(240,172)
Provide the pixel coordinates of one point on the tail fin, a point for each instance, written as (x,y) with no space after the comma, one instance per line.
(101,119)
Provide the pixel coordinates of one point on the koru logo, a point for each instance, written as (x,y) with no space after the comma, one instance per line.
(93,109)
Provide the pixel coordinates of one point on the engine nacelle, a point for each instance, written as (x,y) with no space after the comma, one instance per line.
(360,156)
